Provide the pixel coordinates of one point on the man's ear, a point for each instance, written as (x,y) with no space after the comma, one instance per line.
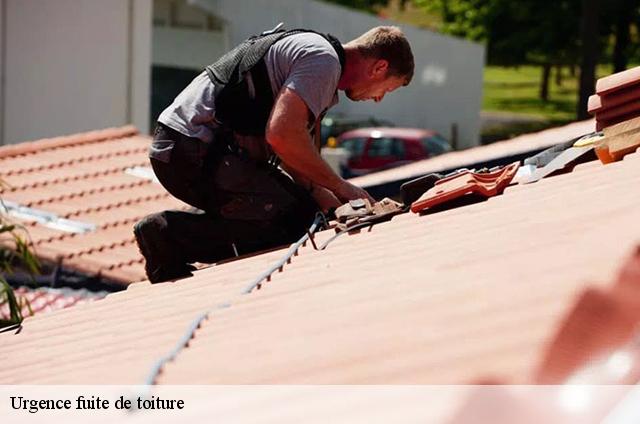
(380,68)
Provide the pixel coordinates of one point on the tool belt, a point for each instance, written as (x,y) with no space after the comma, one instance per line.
(258,191)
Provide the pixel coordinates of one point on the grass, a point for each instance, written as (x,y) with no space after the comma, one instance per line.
(517,91)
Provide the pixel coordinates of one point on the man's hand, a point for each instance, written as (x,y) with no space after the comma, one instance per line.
(347,191)
(325,199)
(288,136)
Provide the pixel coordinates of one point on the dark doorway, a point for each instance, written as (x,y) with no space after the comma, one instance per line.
(166,84)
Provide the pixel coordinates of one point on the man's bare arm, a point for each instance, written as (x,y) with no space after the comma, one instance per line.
(287,134)
(323,197)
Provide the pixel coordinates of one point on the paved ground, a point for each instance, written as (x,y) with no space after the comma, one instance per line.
(491,118)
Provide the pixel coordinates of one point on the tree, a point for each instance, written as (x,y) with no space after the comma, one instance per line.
(551,33)
(617,18)
(516,33)
(366,5)
(589,35)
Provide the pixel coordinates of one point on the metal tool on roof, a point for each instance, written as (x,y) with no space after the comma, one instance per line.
(543,158)
(47,219)
(566,159)
(412,190)
(524,173)
(361,211)
(485,184)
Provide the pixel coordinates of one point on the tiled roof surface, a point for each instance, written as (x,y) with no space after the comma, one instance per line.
(518,145)
(447,297)
(82,178)
(45,299)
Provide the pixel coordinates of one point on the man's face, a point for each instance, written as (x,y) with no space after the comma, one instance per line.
(374,83)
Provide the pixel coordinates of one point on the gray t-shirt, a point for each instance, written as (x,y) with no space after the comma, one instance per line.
(306,63)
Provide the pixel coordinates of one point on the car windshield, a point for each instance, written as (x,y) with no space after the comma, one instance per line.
(436,144)
(386,147)
(333,126)
(355,145)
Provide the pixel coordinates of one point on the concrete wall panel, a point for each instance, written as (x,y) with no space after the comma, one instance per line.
(74,66)
(187,48)
(140,66)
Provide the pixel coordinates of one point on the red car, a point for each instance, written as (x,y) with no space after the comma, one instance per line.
(374,149)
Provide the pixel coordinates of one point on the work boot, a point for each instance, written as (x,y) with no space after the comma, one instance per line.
(160,264)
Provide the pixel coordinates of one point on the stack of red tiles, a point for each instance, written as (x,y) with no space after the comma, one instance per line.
(617,98)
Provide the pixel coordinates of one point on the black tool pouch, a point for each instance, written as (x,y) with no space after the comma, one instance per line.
(256,192)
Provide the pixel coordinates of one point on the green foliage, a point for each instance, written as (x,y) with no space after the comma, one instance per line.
(14,250)
(370,6)
(533,31)
(462,18)
(526,31)
(515,89)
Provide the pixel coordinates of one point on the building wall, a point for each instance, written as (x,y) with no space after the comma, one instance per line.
(140,18)
(185,40)
(186,36)
(187,48)
(447,86)
(72,66)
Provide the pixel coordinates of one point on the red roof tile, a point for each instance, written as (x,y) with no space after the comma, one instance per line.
(618,81)
(82,178)
(597,102)
(624,109)
(443,298)
(617,99)
(66,141)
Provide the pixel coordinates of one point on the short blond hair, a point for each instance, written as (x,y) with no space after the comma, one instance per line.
(388,43)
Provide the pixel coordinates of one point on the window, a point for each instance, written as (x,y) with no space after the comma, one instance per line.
(436,145)
(355,146)
(386,147)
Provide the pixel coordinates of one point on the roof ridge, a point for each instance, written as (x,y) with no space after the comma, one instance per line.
(68,140)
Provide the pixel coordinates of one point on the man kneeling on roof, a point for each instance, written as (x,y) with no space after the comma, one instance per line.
(223,144)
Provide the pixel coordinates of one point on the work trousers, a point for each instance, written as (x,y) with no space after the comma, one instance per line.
(242,205)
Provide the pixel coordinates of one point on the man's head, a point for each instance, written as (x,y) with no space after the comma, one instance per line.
(378,62)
